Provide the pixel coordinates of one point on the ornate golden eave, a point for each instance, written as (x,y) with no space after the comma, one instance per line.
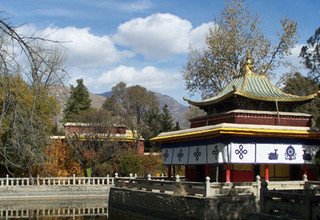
(237,130)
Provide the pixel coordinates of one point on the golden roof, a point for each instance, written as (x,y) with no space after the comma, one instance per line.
(253,86)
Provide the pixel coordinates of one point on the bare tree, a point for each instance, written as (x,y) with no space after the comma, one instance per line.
(28,65)
(131,105)
(97,141)
(235,34)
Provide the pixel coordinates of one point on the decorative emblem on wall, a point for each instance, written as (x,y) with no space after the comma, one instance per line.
(273,155)
(166,155)
(306,156)
(215,152)
(197,154)
(290,153)
(241,151)
(180,155)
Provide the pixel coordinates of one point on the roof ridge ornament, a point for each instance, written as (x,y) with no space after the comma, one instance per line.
(247,67)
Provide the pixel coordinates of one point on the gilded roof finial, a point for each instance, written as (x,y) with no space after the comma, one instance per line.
(248,65)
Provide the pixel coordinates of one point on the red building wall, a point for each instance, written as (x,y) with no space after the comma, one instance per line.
(252,118)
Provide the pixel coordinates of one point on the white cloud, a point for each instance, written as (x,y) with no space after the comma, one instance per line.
(160,35)
(198,35)
(150,77)
(84,49)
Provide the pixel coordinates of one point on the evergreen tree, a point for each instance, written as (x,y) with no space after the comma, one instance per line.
(153,128)
(78,103)
(311,55)
(166,120)
(298,84)
(177,126)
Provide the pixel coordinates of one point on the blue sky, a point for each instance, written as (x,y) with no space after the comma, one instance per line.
(143,41)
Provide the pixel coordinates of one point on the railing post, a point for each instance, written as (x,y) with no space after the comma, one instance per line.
(162,175)
(130,185)
(74,179)
(207,192)
(38,180)
(177,178)
(108,179)
(305,177)
(148,186)
(7,181)
(115,181)
(263,190)
(257,193)
(135,176)
(258,180)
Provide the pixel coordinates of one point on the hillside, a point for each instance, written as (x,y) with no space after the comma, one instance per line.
(176,109)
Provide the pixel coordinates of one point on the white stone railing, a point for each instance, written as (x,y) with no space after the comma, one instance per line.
(159,184)
(237,188)
(51,213)
(180,187)
(54,181)
(204,189)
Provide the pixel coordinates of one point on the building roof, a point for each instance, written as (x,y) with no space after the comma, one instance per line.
(238,130)
(84,132)
(253,86)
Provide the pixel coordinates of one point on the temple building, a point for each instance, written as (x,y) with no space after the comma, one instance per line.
(250,129)
(90,131)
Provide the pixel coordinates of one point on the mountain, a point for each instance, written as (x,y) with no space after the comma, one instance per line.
(106,94)
(177,110)
(62,94)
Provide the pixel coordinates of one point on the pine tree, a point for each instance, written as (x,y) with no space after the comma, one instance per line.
(311,55)
(298,84)
(166,120)
(78,103)
(177,126)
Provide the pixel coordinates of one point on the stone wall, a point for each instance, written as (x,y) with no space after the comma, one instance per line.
(134,204)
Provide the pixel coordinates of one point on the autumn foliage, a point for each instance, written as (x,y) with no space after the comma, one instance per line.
(131,162)
(60,162)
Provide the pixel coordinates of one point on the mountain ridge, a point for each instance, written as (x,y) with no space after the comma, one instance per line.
(176,109)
